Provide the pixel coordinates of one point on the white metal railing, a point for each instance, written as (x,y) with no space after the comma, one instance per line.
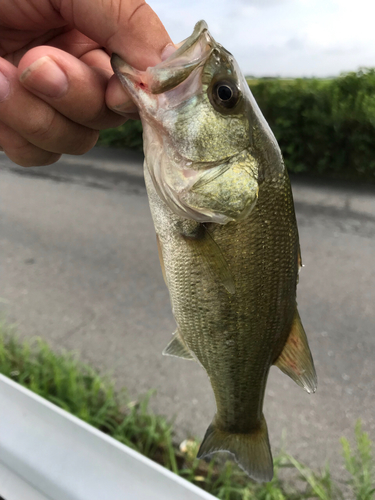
(48,454)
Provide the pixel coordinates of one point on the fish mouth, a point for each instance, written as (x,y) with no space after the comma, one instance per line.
(190,54)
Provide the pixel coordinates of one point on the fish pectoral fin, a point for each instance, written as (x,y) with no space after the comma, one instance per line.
(212,256)
(178,348)
(296,360)
(251,451)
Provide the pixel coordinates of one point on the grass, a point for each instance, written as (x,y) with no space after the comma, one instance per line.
(82,391)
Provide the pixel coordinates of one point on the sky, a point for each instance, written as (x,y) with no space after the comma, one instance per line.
(288,38)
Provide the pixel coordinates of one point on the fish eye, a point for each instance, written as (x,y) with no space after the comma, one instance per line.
(225,94)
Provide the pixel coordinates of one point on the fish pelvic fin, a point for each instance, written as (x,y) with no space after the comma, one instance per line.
(296,359)
(251,451)
(178,348)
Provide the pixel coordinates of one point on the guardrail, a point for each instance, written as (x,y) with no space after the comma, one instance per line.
(48,454)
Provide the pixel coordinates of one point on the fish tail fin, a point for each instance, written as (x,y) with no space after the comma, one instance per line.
(251,451)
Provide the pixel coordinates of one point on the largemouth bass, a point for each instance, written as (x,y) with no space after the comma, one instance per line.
(227,235)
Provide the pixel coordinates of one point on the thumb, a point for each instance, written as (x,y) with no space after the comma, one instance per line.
(128,27)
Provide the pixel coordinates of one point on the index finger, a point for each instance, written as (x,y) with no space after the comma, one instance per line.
(128,27)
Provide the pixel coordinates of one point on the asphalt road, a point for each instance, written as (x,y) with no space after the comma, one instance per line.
(80,269)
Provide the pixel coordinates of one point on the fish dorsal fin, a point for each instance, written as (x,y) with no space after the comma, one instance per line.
(296,360)
(178,348)
(299,263)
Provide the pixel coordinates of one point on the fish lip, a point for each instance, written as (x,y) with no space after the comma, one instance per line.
(200,31)
(128,76)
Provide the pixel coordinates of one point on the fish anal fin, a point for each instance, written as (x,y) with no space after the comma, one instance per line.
(251,451)
(296,360)
(178,348)
(204,245)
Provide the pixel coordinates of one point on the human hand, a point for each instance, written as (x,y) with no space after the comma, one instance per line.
(56,84)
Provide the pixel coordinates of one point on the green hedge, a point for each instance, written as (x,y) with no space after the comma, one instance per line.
(127,136)
(323,126)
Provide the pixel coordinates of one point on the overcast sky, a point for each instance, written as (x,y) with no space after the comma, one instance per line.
(281,37)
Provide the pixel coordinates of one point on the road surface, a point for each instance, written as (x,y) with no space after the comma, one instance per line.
(80,269)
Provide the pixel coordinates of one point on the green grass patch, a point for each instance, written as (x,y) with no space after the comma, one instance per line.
(82,391)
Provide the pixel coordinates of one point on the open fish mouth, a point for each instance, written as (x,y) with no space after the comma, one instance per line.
(190,54)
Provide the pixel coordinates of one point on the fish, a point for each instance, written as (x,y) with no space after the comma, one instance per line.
(227,237)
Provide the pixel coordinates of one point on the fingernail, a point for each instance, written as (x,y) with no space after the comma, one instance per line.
(4,87)
(46,77)
(126,108)
(167,51)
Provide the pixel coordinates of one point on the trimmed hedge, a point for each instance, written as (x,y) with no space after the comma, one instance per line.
(127,136)
(324,127)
